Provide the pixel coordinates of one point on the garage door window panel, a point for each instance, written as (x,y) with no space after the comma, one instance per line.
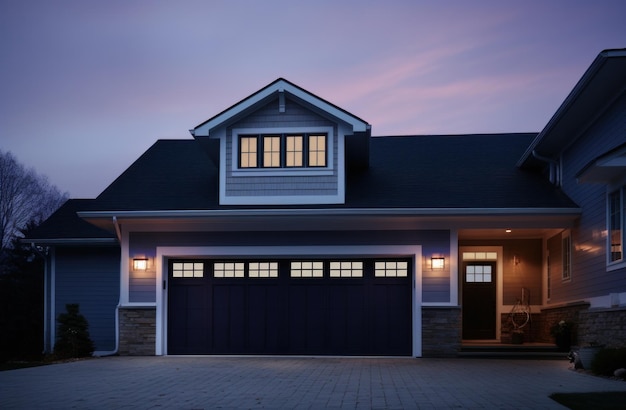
(346,269)
(307,269)
(228,269)
(187,270)
(263,269)
(391,269)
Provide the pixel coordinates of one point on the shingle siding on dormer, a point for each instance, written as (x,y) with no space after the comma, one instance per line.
(295,116)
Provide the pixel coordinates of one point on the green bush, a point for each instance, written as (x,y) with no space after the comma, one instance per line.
(73,335)
(608,360)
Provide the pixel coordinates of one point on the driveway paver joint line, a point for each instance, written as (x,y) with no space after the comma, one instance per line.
(295,382)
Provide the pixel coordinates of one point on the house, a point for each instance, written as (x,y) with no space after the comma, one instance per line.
(284,227)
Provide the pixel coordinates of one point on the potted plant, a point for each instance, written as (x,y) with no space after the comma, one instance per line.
(588,353)
(517,337)
(562,334)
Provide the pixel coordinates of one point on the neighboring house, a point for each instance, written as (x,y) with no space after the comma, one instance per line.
(283,227)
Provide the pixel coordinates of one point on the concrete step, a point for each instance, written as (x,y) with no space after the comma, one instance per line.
(517,351)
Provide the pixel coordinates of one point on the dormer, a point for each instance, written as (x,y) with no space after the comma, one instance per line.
(284,146)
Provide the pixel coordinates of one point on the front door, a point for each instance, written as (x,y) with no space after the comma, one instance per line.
(479,300)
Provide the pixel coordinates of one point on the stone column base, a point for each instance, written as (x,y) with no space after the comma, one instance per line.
(137,331)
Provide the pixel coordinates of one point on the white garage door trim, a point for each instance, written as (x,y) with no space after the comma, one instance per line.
(165,252)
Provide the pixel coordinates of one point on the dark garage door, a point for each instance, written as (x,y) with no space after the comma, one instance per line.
(319,307)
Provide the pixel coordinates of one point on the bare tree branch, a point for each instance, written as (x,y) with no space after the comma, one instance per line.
(25,197)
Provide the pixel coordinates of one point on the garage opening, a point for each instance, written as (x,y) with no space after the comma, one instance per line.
(290,306)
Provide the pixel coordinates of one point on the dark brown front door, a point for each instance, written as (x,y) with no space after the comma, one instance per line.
(479,300)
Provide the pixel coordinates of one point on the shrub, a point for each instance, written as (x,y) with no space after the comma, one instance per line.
(73,335)
(608,360)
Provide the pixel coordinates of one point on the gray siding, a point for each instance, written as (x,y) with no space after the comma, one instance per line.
(589,259)
(90,277)
(436,284)
(268,116)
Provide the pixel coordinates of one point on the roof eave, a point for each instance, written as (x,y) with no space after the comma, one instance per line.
(70,241)
(280,85)
(329,212)
(572,99)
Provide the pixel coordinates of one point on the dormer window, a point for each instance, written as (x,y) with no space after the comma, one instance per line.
(285,150)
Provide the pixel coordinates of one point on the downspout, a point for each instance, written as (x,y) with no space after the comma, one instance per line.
(118,233)
(554,168)
(47,347)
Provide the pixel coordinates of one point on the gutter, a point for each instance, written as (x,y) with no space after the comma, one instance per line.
(555,168)
(567,103)
(329,212)
(118,231)
(71,241)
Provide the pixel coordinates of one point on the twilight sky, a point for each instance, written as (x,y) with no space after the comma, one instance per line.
(87,86)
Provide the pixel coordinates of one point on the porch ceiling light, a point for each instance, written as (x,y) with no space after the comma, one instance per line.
(140,264)
(437,263)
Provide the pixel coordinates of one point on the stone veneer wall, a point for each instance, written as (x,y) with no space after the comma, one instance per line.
(441,331)
(605,327)
(568,313)
(137,331)
(532,330)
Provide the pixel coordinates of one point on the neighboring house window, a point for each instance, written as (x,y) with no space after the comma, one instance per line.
(566,242)
(283,151)
(616,211)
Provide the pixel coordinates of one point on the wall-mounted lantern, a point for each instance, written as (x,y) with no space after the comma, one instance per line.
(140,264)
(437,262)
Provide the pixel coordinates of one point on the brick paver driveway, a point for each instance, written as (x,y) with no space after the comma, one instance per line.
(291,382)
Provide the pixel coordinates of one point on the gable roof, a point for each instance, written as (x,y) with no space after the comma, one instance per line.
(268,92)
(600,85)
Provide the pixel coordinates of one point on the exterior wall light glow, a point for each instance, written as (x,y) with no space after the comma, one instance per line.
(437,263)
(140,264)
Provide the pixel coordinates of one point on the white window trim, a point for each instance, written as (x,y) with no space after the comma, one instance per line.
(566,235)
(621,188)
(287,171)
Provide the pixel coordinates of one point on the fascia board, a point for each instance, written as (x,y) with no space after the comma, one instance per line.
(576,93)
(71,241)
(357,125)
(279,86)
(329,212)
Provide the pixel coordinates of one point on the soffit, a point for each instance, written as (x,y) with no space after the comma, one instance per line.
(602,83)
